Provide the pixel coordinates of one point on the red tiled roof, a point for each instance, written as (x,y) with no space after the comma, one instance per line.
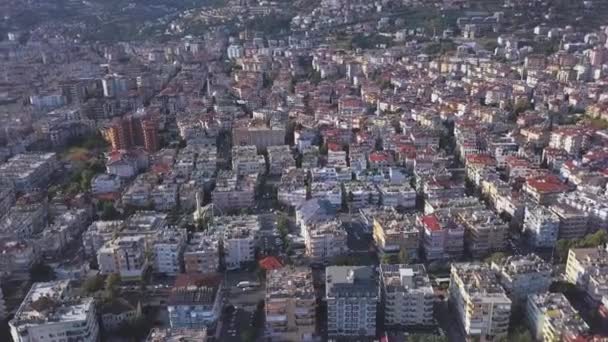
(431,222)
(547,184)
(270,263)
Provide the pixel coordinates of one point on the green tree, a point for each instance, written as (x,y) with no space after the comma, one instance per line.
(109,212)
(41,272)
(85,179)
(563,246)
(520,334)
(112,283)
(426,338)
(93,284)
(497,257)
(404,257)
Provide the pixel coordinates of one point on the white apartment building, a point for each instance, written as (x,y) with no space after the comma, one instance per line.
(125,255)
(325,241)
(585,269)
(279,159)
(2,306)
(232,192)
(7,197)
(542,224)
(408,295)
(336,156)
(167,251)
(164,196)
(442,237)
(201,255)
(49,312)
(246,161)
(330,191)
(552,318)
(98,233)
(481,304)
(523,275)
(402,195)
(29,170)
(238,236)
(595,206)
(352,296)
(104,183)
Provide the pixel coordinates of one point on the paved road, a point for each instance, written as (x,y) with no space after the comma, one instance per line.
(448,322)
(235,323)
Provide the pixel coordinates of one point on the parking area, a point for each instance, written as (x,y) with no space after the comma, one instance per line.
(236,324)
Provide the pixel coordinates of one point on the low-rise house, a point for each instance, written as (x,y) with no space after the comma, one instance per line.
(195,302)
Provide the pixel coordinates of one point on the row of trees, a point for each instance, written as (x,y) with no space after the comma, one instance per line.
(592,240)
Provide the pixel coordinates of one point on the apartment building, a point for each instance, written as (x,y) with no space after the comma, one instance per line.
(17,258)
(542,225)
(201,254)
(523,275)
(585,267)
(279,159)
(442,237)
(232,192)
(397,195)
(360,195)
(573,223)
(545,189)
(292,188)
(485,232)
(290,304)
(167,250)
(23,221)
(441,188)
(258,133)
(394,232)
(2,306)
(352,295)
(330,191)
(164,196)
(325,241)
(195,302)
(481,304)
(177,335)
(408,295)
(336,155)
(246,161)
(552,318)
(104,183)
(29,171)
(7,196)
(54,312)
(238,236)
(310,157)
(595,206)
(126,255)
